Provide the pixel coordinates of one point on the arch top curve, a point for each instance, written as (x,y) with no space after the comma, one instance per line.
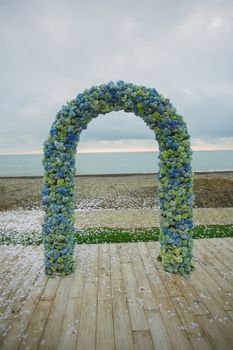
(175,173)
(157,111)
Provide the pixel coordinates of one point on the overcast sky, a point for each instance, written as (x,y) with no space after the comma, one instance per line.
(50,50)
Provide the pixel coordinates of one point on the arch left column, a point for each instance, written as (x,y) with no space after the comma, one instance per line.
(59,193)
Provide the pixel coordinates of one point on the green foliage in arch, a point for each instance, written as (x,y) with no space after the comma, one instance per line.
(175,174)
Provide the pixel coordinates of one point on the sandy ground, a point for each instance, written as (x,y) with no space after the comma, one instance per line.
(131,218)
(21,221)
(212,190)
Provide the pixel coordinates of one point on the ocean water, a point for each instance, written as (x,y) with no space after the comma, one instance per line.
(114,163)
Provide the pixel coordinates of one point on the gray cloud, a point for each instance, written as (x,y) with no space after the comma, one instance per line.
(51,50)
(117,125)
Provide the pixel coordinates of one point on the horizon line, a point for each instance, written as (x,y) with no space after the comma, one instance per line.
(114,151)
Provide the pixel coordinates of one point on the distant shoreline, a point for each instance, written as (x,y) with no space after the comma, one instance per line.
(115,151)
(116,175)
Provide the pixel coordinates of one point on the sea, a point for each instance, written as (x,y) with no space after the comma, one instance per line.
(114,163)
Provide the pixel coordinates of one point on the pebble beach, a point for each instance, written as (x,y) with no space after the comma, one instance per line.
(125,201)
(96,192)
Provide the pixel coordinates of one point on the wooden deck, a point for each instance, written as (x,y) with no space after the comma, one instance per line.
(118,298)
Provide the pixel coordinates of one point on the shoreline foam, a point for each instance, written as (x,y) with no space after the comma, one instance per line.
(200,172)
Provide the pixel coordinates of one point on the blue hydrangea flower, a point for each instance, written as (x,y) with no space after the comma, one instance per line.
(175,182)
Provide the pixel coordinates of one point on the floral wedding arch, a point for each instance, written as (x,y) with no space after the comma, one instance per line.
(175,174)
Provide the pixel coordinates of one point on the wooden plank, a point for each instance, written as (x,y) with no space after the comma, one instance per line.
(225,261)
(78,284)
(92,264)
(21,274)
(104,288)
(194,301)
(105,321)
(105,329)
(143,340)
(158,331)
(9,257)
(153,246)
(51,288)
(104,279)
(169,280)
(87,326)
(144,287)
(104,260)
(202,280)
(230,315)
(222,282)
(5,326)
(51,333)
(41,280)
(88,319)
(229,241)
(226,257)
(225,243)
(174,327)
(208,299)
(122,326)
(4,253)
(172,324)
(115,263)
(81,257)
(137,314)
(150,266)
(125,252)
(191,324)
(36,325)
(121,319)
(202,250)
(17,327)
(219,332)
(23,291)
(148,262)
(70,325)
(214,267)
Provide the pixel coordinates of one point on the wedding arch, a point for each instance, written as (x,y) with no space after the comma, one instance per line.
(175,174)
